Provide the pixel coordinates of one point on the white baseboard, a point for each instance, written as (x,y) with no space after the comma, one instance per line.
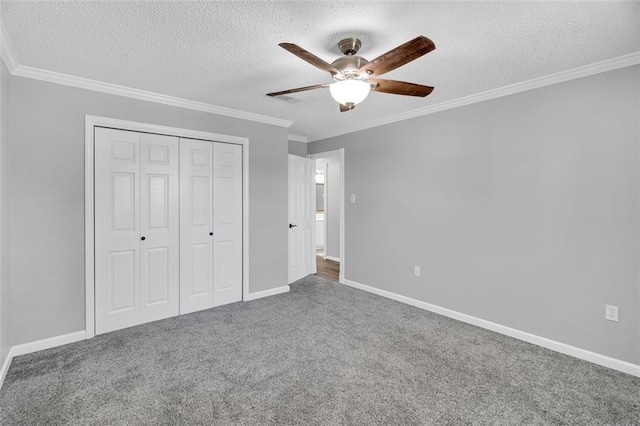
(5,367)
(51,342)
(605,361)
(38,345)
(265,293)
(335,259)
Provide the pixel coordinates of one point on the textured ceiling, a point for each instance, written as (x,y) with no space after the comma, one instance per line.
(226,53)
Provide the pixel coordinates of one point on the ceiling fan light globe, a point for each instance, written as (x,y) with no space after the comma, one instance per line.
(347,92)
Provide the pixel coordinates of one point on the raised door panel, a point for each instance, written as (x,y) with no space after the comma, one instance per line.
(196,225)
(200,269)
(117,218)
(122,281)
(227,223)
(159,225)
(199,194)
(158,286)
(122,192)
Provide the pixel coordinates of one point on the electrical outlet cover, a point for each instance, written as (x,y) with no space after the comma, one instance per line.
(611,313)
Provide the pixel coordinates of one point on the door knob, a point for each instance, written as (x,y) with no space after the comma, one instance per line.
(143,238)
(292,226)
(210,233)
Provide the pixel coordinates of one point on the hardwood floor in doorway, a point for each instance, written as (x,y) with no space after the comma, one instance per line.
(328,268)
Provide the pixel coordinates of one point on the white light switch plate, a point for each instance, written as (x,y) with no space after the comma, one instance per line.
(611,313)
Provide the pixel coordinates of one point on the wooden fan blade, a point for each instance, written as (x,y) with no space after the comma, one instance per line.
(399,56)
(399,87)
(309,57)
(299,89)
(344,108)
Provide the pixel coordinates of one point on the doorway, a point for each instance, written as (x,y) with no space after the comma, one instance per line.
(329,214)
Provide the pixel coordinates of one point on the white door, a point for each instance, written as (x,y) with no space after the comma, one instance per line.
(302,202)
(159,225)
(136,235)
(227,223)
(196,225)
(211,224)
(117,229)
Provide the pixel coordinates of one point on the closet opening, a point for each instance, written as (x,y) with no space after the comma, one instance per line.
(166,223)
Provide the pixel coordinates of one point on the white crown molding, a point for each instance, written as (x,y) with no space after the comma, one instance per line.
(6,51)
(583,354)
(298,138)
(572,74)
(84,83)
(114,89)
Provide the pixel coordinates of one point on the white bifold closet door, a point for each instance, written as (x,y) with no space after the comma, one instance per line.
(136,228)
(210,224)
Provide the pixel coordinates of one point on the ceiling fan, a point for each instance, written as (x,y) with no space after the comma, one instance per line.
(354,76)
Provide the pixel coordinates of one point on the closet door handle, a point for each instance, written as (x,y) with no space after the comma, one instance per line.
(143,238)
(292,226)
(210,233)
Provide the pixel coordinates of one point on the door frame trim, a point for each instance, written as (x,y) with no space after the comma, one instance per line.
(337,153)
(92,121)
(324,210)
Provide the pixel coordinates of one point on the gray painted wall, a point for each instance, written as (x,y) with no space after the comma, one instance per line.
(333,208)
(298,148)
(521,210)
(319,197)
(47,197)
(5,283)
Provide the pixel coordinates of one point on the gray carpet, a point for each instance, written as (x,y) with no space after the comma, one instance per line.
(321,354)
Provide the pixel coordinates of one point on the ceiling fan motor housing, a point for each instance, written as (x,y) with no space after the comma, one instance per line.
(349,65)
